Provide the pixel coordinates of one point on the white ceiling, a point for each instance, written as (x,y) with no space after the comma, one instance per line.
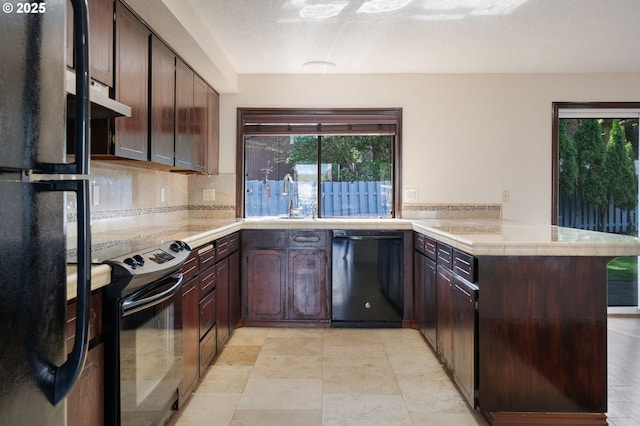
(420,36)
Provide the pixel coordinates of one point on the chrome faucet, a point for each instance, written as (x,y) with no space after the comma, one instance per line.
(285,192)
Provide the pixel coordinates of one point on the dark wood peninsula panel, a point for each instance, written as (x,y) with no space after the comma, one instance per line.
(542,339)
(523,337)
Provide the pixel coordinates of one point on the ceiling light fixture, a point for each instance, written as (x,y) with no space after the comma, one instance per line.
(381,6)
(319,66)
(322,11)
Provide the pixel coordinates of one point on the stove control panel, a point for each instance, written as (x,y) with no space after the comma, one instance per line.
(166,256)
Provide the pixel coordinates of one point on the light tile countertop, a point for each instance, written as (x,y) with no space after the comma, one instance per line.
(478,237)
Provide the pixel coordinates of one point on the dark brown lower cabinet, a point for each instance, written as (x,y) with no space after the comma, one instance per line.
(266,284)
(234,289)
(190,338)
(445,316)
(419,313)
(425,294)
(222,301)
(307,287)
(285,277)
(464,297)
(85,401)
(208,331)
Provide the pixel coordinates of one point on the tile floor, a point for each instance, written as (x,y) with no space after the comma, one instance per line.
(273,376)
(623,350)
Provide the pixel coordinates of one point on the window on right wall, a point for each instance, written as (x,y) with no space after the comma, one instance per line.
(595,182)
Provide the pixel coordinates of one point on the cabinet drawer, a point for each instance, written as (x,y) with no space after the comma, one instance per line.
(227,245)
(190,266)
(307,239)
(234,241)
(207,313)
(95,320)
(430,248)
(444,257)
(206,256)
(208,350)
(264,239)
(207,281)
(418,242)
(464,265)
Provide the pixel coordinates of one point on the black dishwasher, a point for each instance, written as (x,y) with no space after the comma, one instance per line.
(367,279)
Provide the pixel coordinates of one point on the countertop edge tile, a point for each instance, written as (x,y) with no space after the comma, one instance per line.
(474,236)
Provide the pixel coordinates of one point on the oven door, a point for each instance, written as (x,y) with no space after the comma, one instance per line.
(150,352)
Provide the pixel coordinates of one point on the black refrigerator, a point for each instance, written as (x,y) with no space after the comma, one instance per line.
(36,184)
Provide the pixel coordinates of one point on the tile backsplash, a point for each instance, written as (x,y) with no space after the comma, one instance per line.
(125,196)
(452,211)
(212,196)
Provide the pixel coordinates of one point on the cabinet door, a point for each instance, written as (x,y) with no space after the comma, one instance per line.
(265,284)
(430,303)
(213,129)
(101,40)
(84,402)
(69,37)
(445,316)
(307,286)
(190,337)
(464,338)
(234,289)
(418,290)
(163,79)
(199,123)
(184,106)
(222,301)
(132,82)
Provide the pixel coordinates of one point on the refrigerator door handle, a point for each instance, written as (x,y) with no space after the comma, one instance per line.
(58,381)
(82,112)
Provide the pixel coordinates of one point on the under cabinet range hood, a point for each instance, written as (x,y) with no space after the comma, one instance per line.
(102,106)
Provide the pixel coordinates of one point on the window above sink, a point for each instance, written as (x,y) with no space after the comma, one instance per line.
(319,163)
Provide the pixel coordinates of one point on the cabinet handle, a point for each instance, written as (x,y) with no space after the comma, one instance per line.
(464,291)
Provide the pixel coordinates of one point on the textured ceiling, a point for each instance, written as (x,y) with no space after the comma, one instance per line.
(425,36)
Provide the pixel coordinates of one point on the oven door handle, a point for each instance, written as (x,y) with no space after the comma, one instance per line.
(133,304)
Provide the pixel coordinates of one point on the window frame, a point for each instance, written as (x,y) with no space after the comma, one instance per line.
(616,107)
(319,121)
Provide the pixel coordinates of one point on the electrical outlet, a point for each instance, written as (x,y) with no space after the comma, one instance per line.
(208,194)
(411,195)
(506,196)
(96,195)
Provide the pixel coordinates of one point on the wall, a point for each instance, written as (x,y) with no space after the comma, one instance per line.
(466,138)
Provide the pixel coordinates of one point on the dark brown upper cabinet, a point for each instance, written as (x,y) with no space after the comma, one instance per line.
(184,106)
(131,83)
(100,40)
(213,128)
(199,123)
(163,80)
